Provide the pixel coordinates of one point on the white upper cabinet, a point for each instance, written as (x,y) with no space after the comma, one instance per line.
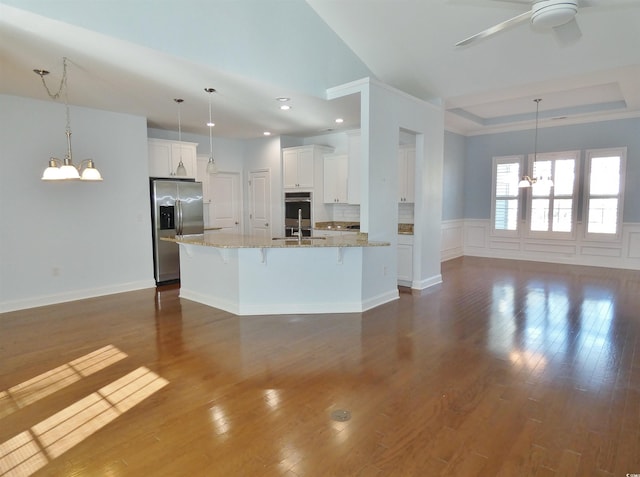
(354,173)
(165,155)
(406,174)
(335,178)
(297,165)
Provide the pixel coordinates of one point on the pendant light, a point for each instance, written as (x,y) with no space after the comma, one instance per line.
(65,169)
(212,168)
(181,170)
(527,181)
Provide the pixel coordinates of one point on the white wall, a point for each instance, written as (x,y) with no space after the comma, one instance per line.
(71,240)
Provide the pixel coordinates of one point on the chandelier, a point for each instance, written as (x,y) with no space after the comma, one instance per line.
(527,181)
(65,169)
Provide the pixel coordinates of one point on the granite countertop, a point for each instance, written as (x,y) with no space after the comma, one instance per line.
(247,241)
(340,226)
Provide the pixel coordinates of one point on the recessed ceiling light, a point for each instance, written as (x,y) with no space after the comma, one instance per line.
(282,99)
(285,107)
(266,133)
(339,120)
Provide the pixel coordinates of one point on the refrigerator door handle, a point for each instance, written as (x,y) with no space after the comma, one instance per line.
(179,214)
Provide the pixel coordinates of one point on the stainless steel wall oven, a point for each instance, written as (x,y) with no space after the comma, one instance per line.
(294,202)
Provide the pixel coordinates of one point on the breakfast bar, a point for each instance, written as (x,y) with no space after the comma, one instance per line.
(248,275)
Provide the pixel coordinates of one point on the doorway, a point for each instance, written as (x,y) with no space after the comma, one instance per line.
(260,203)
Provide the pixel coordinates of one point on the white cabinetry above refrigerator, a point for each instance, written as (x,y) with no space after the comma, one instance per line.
(165,156)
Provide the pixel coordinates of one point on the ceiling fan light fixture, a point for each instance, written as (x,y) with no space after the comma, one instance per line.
(552,13)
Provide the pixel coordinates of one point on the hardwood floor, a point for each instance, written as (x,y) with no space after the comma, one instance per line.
(507,368)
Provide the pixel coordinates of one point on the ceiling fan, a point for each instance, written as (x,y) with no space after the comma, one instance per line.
(558,15)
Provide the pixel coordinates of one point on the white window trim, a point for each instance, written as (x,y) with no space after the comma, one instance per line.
(610,151)
(505,160)
(552,156)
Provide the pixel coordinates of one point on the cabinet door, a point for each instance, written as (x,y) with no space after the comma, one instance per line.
(305,168)
(290,169)
(335,179)
(159,159)
(410,188)
(405,264)
(406,174)
(353,173)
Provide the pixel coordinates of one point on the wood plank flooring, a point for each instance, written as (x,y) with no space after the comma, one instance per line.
(506,369)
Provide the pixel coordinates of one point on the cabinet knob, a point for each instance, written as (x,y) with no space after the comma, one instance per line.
(266,224)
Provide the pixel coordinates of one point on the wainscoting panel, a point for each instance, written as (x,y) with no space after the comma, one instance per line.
(452,239)
(633,241)
(622,253)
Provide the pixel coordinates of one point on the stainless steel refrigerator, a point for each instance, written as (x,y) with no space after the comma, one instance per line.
(176,209)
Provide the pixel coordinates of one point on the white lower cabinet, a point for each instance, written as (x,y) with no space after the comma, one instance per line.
(405,260)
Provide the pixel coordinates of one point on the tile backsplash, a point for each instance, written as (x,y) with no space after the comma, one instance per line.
(405,213)
(351,213)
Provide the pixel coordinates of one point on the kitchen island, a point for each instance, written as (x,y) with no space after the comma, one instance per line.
(248,275)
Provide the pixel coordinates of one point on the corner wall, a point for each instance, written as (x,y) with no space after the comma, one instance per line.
(71,240)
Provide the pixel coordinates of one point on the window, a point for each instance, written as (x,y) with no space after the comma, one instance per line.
(506,205)
(553,208)
(604,192)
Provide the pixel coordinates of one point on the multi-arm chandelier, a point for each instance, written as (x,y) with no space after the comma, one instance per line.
(65,169)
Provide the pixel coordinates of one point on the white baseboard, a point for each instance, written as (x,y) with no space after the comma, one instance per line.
(44,300)
(427,282)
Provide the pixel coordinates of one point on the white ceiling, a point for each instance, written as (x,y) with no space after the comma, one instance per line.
(137,64)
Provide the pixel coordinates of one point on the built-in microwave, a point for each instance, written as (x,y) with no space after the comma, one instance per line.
(297,204)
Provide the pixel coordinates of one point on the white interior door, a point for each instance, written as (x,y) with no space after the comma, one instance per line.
(226,202)
(260,206)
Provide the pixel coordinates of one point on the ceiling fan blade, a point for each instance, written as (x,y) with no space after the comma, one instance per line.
(495,29)
(567,34)
(608,3)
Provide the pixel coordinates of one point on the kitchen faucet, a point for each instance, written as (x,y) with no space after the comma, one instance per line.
(299,233)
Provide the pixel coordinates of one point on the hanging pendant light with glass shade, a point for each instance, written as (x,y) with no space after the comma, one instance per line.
(212,168)
(527,181)
(180,170)
(65,169)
